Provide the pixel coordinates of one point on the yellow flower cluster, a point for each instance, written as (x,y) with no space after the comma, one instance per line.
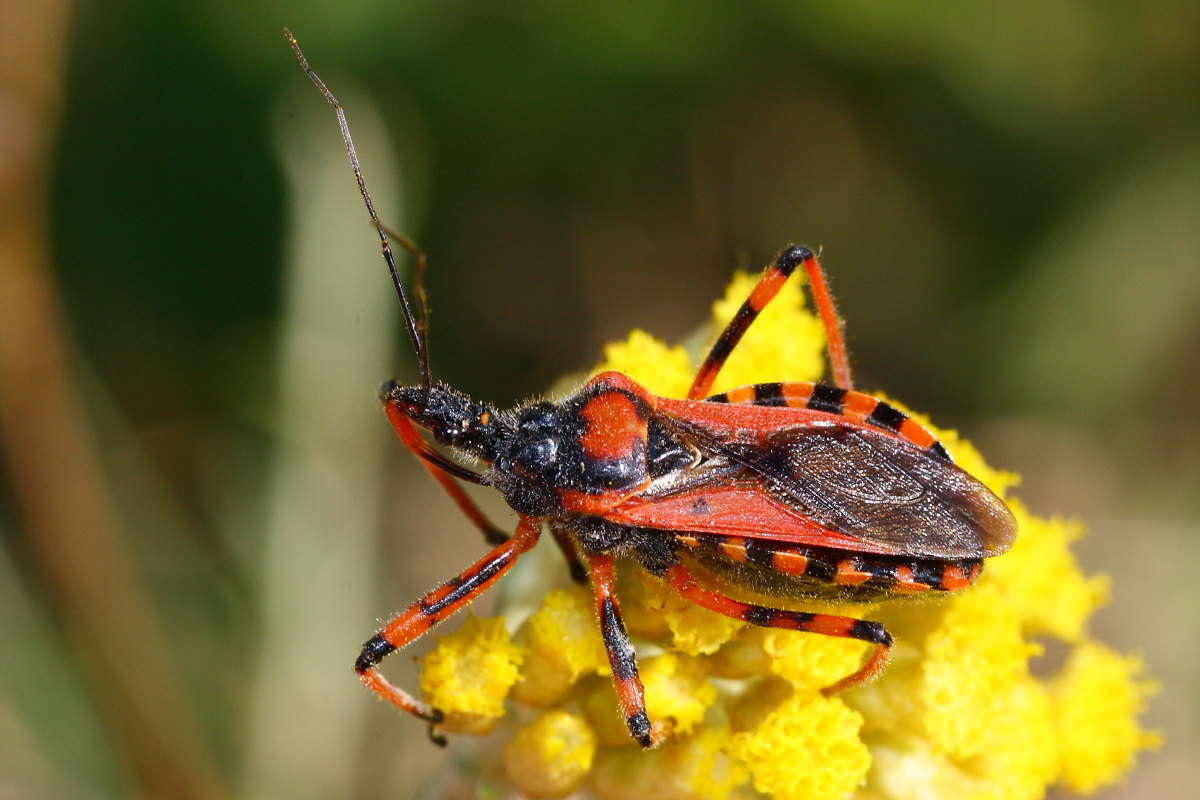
(958,714)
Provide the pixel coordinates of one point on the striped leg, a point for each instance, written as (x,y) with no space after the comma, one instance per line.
(630,694)
(443,470)
(829,625)
(772,281)
(417,620)
(855,406)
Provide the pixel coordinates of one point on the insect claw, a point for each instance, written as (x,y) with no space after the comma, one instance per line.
(436,736)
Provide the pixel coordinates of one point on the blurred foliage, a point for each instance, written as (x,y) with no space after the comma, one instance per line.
(1008,198)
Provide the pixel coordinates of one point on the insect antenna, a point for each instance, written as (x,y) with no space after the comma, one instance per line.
(417,277)
(418,325)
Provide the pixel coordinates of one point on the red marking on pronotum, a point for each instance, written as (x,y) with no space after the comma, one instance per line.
(784,489)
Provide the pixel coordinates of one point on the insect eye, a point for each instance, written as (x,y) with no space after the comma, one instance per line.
(448,434)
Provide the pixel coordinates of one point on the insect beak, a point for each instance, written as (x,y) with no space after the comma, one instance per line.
(411,401)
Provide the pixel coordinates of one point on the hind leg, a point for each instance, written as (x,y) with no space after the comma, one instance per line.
(768,286)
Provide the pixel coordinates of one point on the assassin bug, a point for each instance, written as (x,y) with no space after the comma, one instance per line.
(805,490)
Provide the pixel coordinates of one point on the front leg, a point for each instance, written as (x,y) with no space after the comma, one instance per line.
(417,620)
(443,470)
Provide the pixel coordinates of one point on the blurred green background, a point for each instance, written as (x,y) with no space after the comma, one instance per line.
(1008,198)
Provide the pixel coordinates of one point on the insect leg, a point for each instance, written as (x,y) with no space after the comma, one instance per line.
(827,624)
(442,469)
(768,286)
(437,605)
(630,693)
(567,545)
(855,406)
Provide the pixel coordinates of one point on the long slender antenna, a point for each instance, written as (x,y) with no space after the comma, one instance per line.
(416,326)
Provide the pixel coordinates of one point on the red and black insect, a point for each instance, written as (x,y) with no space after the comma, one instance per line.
(791,490)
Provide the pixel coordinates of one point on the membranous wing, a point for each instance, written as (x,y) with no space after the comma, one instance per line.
(880,488)
(831,485)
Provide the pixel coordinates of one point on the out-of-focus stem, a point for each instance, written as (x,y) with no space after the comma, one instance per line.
(326,486)
(69,518)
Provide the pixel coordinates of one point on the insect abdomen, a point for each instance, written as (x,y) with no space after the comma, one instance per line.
(780,569)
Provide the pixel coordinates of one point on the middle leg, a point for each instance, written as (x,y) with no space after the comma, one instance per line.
(630,693)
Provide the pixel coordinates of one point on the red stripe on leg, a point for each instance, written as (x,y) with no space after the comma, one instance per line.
(830,625)
(838,359)
(375,681)
(683,582)
(797,395)
(768,286)
(765,290)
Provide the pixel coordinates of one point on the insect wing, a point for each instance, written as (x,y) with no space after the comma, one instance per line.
(831,484)
(880,489)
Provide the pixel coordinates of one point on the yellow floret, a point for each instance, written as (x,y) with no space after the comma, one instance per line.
(972,662)
(748,710)
(664,371)
(1018,759)
(552,756)
(562,644)
(677,689)
(471,671)
(696,768)
(906,767)
(809,661)
(892,703)
(704,764)
(742,657)
(1041,579)
(694,630)
(808,748)
(1020,756)
(785,342)
(1097,700)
